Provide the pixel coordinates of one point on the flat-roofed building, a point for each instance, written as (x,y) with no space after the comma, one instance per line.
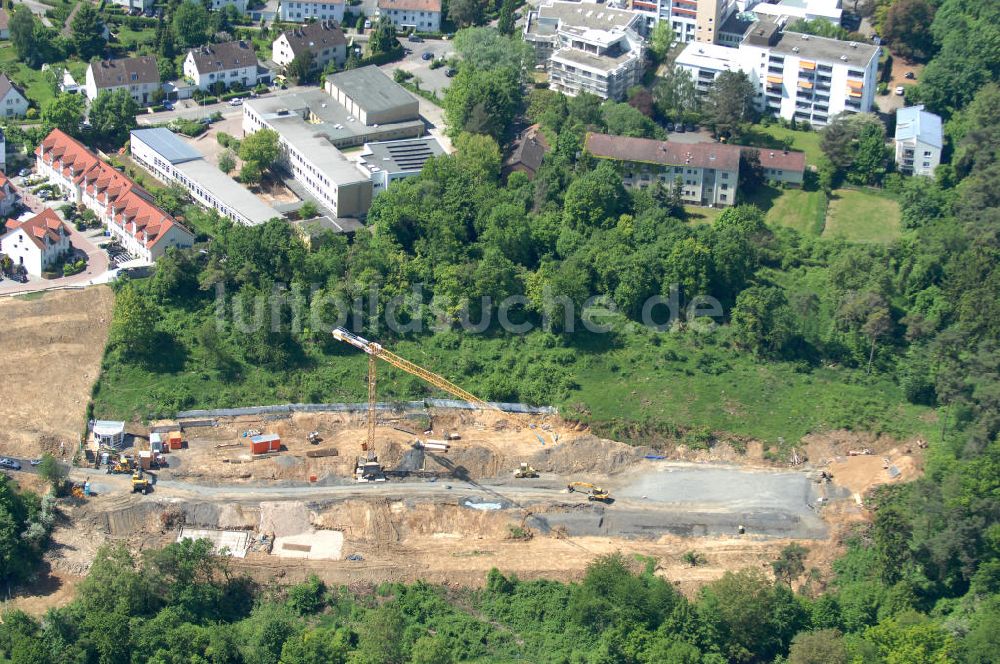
(171,159)
(709,172)
(391,161)
(918,141)
(372,97)
(588,47)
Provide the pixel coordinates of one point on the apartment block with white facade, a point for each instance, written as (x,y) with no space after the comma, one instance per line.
(239,5)
(214,64)
(418,15)
(918,141)
(37,243)
(798,76)
(690,20)
(139,75)
(300,11)
(13,102)
(324,39)
(588,47)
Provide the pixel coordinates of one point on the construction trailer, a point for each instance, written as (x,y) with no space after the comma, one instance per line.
(265,443)
(175,440)
(108,433)
(156,443)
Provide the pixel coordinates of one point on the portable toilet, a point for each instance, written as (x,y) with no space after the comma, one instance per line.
(264,443)
(156,443)
(175,439)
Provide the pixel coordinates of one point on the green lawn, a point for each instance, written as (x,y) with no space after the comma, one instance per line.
(702,215)
(779,137)
(803,210)
(35,83)
(863,215)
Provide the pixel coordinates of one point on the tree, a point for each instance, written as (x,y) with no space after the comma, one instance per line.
(486,48)
(730,105)
(308,210)
(483,101)
(88,31)
(660,41)
(383,37)
(227,161)
(675,95)
(870,157)
(761,321)
(819,27)
(855,145)
(192,23)
(790,564)
(479,155)
(52,471)
(250,173)
(866,313)
(32,41)
(166,68)
(505,19)
(112,115)
(261,148)
(65,112)
(824,646)
(300,69)
(133,325)
(465,12)
(907,26)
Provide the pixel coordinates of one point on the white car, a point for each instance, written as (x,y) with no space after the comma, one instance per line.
(900,91)
(236,102)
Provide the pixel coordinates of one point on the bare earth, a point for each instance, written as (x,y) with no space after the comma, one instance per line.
(52,348)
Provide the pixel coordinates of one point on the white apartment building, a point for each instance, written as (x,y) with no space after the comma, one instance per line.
(418,15)
(127,210)
(37,243)
(133,4)
(809,10)
(588,47)
(798,76)
(13,103)
(918,141)
(324,39)
(690,20)
(170,159)
(709,172)
(300,11)
(9,198)
(228,63)
(240,5)
(139,75)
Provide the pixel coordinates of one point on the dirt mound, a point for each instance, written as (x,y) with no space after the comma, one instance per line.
(585,454)
(284,518)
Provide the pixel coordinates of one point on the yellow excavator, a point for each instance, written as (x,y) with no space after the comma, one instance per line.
(593,492)
(368,468)
(140,483)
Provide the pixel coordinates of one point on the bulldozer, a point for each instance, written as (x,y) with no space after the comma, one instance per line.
(525,472)
(140,483)
(593,492)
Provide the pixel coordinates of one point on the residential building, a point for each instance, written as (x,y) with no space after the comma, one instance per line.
(587,47)
(139,75)
(371,96)
(300,11)
(417,15)
(690,20)
(529,150)
(4,24)
(797,76)
(314,127)
(133,4)
(918,141)
(324,39)
(213,64)
(784,166)
(13,102)
(3,152)
(809,10)
(126,209)
(392,161)
(170,159)
(36,244)
(239,5)
(9,198)
(709,172)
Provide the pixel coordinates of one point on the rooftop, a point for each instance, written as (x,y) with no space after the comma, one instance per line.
(697,155)
(315,36)
(590,16)
(709,56)
(222,57)
(371,89)
(601,63)
(822,49)
(399,156)
(42,229)
(411,5)
(115,73)
(226,189)
(6,85)
(786,160)
(319,225)
(167,144)
(913,122)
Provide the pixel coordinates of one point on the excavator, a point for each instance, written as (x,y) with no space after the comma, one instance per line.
(368,469)
(593,491)
(140,483)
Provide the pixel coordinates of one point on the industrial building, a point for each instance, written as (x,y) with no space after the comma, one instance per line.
(171,159)
(391,161)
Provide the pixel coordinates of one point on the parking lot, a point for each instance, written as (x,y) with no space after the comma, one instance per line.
(435,80)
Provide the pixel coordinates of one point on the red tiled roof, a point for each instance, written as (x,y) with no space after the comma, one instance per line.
(647,150)
(45,226)
(786,160)
(131,205)
(411,5)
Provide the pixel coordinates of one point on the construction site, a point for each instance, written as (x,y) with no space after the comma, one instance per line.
(445,490)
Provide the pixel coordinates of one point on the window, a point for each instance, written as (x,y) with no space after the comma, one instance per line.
(927,153)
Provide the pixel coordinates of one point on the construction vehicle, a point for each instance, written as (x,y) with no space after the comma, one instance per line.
(593,492)
(525,472)
(140,483)
(314,438)
(367,463)
(120,466)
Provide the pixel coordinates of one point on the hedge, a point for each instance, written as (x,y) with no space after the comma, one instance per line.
(382,58)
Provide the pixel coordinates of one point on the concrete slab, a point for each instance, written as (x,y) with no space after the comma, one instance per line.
(233,541)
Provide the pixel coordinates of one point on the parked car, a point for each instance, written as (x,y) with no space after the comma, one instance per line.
(24,172)
(167,106)
(670,126)
(35,462)
(9,463)
(909,76)
(450,71)
(690,127)
(900,91)
(427,56)
(416,39)
(679,128)
(236,102)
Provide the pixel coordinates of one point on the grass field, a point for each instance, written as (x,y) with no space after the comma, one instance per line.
(35,83)
(776,136)
(863,216)
(805,211)
(702,215)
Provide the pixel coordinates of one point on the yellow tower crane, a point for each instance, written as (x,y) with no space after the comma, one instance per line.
(375,350)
